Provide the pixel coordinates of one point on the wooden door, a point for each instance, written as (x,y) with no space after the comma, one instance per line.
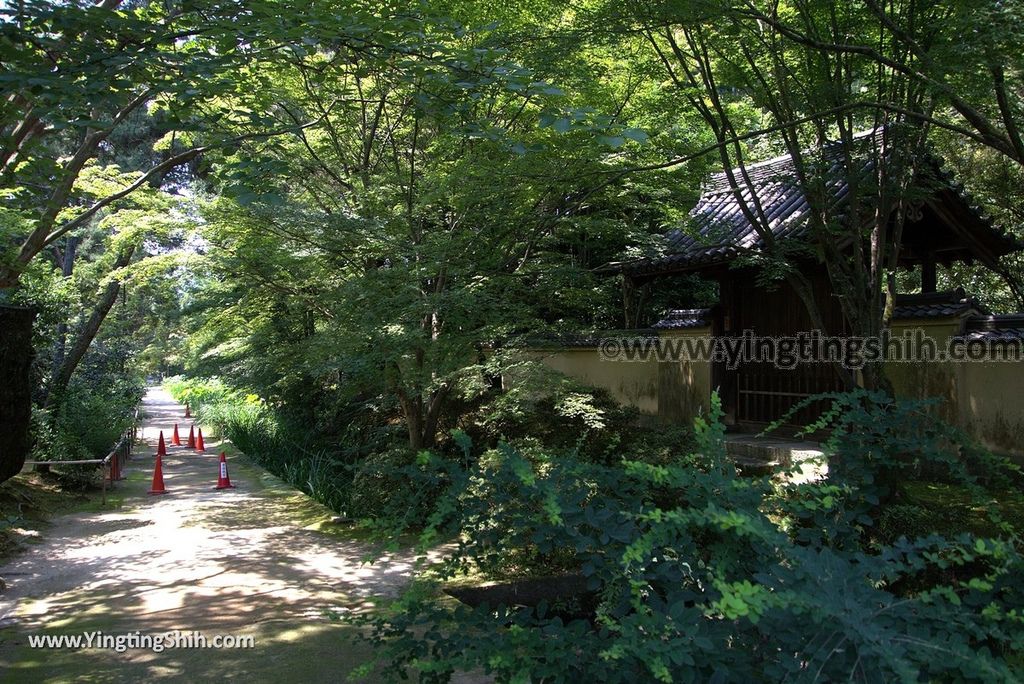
(761,392)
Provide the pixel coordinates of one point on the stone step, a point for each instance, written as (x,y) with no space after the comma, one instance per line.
(762,455)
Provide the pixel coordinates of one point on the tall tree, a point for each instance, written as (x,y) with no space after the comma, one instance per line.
(437,204)
(74,74)
(779,77)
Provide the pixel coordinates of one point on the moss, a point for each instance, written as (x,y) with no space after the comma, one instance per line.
(926,507)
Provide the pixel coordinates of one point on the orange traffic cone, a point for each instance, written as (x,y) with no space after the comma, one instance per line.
(188,411)
(175,440)
(223,481)
(192,437)
(200,447)
(161,448)
(158,477)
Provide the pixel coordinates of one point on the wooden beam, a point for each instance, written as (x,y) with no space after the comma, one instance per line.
(972,240)
(928,275)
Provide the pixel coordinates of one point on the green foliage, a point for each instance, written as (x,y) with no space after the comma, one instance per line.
(921,507)
(877,445)
(461,170)
(694,573)
(200,393)
(394,490)
(373,475)
(88,422)
(282,448)
(541,409)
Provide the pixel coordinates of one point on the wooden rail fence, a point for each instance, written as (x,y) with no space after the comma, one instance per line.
(113,463)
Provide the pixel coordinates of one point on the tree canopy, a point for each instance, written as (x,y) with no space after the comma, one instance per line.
(350,216)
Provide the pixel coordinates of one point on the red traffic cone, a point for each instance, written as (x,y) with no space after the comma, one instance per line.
(188,411)
(192,437)
(158,477)
(223,481)
(161,448)
(175,440)
(200,447)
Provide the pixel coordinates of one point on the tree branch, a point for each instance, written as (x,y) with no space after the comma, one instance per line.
(182,158)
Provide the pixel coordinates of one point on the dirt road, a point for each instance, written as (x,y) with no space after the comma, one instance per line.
(261,560)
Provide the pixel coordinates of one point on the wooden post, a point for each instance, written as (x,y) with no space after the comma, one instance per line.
(929,278)
(633,295)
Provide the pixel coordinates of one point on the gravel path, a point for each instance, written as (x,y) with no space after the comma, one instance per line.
(261,560)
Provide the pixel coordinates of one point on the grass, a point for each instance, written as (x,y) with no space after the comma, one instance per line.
(256,430)
(960,508)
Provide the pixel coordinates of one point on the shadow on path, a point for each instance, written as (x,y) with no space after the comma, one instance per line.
(243,562)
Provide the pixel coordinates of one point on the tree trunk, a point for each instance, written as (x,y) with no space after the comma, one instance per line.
(413,410)
(15,388)
(62,375)
(432,419)
(67,267)
(423,418)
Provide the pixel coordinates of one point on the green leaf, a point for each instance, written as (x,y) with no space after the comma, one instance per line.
(635,134)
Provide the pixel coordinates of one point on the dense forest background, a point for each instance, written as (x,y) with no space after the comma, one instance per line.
(337,221)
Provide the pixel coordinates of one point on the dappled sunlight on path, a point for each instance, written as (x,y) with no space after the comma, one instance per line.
(261,560)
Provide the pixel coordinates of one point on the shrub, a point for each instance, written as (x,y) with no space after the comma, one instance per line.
(543,407)
(707,580)
(287,451)
(198,391)
(391,487)
(238,415)
(87,423)
(367,471)
(877,446)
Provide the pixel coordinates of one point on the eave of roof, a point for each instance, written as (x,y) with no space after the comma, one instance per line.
(726,233)
(993,329)
(682,319)
(937,305)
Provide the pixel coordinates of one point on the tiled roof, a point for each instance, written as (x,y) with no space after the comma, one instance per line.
(582,339)
(936,305)
(719,229)
(679,319)
(1000,329)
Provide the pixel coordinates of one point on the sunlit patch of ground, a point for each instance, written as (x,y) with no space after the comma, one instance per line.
(260,560)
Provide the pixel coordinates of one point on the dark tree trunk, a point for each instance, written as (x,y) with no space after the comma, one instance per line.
(423,418)
(67,268)
(15,388)
(412,408)
(62,375)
